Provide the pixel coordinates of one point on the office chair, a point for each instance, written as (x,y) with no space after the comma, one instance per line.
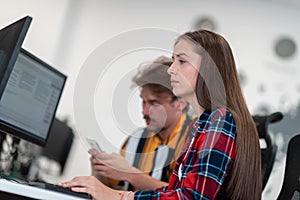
(268,153)
(290,189)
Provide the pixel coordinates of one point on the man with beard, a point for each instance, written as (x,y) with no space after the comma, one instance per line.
(155,148)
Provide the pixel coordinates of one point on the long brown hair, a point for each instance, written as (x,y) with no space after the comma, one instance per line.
(218,86)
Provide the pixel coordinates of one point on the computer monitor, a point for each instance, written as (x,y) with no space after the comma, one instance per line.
(30,99)
(11,39)
(59,143)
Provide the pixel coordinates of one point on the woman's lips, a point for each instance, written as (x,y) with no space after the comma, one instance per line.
(174,82)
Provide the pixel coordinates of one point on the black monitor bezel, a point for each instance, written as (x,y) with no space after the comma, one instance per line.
(23,134)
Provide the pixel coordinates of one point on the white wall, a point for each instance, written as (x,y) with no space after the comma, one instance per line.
(66,33)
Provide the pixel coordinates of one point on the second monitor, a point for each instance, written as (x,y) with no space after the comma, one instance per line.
(30,99)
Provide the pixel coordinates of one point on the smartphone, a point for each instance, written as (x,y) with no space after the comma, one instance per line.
(94,144)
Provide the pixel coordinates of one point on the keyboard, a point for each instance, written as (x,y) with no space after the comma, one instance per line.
(57,188)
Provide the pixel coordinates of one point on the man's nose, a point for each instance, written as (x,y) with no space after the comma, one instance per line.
(146,109)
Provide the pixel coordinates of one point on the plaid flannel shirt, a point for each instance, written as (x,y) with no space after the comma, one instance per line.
(206,162)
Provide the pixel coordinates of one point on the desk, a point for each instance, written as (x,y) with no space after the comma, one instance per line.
(16,191)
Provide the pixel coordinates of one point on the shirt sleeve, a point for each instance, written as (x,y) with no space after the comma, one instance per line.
(207,165)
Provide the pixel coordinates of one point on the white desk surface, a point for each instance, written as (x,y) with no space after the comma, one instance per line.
(33,192)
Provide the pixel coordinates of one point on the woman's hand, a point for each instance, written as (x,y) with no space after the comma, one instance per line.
(92,186)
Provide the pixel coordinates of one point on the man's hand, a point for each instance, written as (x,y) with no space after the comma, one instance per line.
(113,166)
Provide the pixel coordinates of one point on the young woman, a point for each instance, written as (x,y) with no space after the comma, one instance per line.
(222,158)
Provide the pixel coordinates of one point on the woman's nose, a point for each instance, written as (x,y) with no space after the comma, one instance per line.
(172,69)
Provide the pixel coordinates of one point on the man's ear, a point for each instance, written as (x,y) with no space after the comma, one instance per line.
(182,103)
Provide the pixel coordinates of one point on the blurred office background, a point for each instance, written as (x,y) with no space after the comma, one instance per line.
(264,35)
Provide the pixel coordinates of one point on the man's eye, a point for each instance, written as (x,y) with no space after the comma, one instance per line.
(181,61)
(156,104)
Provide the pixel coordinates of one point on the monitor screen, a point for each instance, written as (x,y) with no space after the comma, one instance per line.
(11,39)
(30,98)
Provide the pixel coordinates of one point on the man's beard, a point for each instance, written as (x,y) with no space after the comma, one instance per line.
(150,127)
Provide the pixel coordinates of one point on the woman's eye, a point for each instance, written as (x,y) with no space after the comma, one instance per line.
(181,61)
